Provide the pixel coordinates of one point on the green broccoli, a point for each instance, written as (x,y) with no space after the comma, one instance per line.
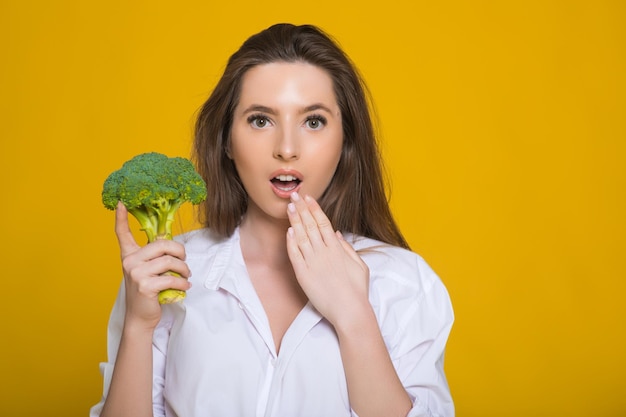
(153,186)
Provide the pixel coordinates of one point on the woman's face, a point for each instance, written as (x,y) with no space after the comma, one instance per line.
(286,134)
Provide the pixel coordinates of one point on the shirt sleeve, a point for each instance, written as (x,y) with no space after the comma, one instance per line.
(418,354)
(159,353)
(415,314)
(114,335)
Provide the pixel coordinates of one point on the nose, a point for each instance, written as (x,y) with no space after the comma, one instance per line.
(287,145)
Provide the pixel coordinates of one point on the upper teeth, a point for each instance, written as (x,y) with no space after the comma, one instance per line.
(286,178)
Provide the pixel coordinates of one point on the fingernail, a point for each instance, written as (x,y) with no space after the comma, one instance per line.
(290,231)
(295,196)
(291,207)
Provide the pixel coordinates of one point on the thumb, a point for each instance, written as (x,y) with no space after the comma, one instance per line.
(122,230)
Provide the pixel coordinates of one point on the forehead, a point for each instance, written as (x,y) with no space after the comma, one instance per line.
(283,82)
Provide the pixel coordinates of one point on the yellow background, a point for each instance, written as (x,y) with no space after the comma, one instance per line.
(505,136)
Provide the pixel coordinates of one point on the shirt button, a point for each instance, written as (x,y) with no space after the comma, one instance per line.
(240,305)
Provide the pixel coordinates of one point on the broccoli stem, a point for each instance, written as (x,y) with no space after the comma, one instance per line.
(147,221)
(157,224)
(165,219)
(170,295)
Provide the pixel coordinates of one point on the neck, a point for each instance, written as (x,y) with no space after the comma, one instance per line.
(264,239)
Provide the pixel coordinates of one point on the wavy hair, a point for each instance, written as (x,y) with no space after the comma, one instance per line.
(355,200)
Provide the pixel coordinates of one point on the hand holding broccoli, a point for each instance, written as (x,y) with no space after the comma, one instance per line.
(152,187)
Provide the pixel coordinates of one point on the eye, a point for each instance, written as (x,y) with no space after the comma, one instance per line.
(258,121)
(315,122)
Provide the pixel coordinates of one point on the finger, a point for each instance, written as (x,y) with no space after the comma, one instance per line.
(293,250)
(309,223)
(122,230)
(162,247)
(166,264)
(299,235)
(172,282)
(156,258)
(152,286)
(347,247)
(323,222)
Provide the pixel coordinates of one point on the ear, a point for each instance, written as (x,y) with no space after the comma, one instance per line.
(227,150)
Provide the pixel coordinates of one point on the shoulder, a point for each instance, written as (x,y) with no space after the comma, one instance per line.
(393,263)
(400,277)
(411,302)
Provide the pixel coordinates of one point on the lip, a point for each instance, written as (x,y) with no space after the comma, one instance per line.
(286,194)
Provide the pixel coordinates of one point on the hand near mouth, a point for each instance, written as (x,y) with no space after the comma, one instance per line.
(330,272)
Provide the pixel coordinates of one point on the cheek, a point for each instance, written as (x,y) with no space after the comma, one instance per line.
(327,161)
(244,165)
(335,150)
(244,154)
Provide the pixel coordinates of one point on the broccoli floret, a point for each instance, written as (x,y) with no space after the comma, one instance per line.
(153,186)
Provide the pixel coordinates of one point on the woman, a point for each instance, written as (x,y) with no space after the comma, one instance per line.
(306,300)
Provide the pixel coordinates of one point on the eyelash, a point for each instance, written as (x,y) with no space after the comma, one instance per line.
(316,117)
(255,118)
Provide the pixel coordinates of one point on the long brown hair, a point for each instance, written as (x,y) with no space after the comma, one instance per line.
(355,200)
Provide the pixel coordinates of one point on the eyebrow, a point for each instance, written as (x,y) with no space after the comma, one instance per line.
(258,108)
(264,109)
(316,106)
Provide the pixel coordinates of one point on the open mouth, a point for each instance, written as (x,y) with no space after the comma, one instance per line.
(285,183)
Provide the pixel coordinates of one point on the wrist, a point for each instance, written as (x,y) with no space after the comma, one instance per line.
(138,328)
(358,321)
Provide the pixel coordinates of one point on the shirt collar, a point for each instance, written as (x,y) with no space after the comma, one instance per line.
(222,255)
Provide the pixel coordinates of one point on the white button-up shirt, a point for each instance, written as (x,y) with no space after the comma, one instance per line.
(214,353)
